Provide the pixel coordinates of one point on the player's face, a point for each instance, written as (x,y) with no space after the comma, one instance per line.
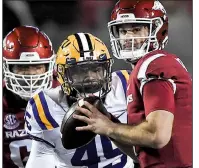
(29,69)
(135,31)
(87,78)
(30,72)
(87,74)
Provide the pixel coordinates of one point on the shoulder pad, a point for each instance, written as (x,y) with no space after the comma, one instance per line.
(40,106)
(121,76)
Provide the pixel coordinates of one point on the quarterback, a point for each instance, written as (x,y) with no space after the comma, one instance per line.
(28,60)
(83,66)
(159,92)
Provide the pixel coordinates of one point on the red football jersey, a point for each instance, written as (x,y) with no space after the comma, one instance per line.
(165,73)
(16,143)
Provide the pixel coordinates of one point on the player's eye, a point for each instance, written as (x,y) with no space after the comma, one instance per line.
(21,67)
(136,29)
(99,69)
(123,32)
(39,67)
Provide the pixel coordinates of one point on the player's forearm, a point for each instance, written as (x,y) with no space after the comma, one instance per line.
(141,135)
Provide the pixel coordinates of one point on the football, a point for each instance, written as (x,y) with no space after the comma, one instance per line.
(71,138)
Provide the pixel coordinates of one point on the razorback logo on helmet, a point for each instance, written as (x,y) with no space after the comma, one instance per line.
(25,49)
(146,18)
(158,6)
(9,45)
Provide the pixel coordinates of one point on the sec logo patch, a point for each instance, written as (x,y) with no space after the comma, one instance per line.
(10,121)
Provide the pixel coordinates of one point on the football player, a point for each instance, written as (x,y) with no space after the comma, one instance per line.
(159,92)
(28,60)
(83,67)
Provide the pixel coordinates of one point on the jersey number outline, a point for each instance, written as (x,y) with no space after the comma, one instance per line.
(27,117)
(92,159)
(19,151)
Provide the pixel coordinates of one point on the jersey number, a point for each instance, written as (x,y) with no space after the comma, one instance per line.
(26,118)
(19,151)
(89,155)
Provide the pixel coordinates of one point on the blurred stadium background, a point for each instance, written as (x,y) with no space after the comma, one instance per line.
(58,19)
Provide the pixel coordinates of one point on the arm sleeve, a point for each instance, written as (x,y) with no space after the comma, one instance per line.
(41,156)
(41,121)
(158,95)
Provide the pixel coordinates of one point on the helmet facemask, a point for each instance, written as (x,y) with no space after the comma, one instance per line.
(89,77)
(134,50)
(25,85)
(83,66)
(25,50)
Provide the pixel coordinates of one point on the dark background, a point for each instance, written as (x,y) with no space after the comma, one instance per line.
(58,19)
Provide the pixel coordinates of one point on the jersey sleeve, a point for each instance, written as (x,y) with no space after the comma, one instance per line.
(157,82)
(41,121)
(158,95)
(159,67)
(115,101)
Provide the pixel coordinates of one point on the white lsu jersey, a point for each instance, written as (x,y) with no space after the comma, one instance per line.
(44,114)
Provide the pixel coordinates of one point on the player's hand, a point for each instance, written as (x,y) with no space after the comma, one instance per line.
(97,122)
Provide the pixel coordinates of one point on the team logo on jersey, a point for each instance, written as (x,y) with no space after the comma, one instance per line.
(129,98)
(10,121)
